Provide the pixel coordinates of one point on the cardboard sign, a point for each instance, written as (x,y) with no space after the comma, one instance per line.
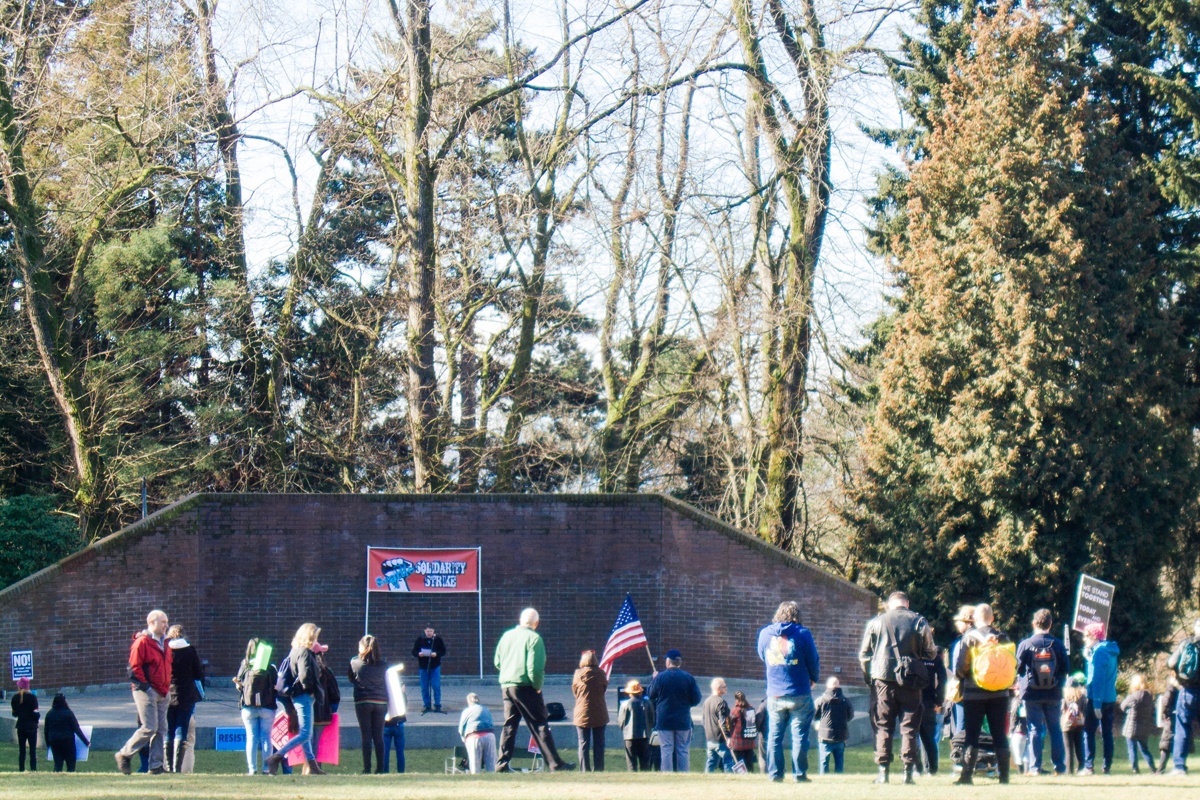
(229,739)
(326,748)
(1093,602)
(81,749)
(22,664)
(397,696)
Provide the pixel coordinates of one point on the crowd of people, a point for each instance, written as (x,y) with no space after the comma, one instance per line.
(1000,700)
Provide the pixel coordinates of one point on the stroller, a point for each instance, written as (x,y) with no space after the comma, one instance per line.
(985,761)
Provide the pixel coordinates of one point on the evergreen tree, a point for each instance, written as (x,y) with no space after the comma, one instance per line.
(1030,425)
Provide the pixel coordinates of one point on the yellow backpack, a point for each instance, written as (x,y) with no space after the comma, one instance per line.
(994,665)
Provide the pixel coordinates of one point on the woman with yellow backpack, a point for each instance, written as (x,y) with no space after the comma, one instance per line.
(986,667)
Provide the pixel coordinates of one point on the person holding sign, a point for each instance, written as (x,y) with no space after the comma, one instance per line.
(428,651)
(1101,655)
(61,730)
(986,667)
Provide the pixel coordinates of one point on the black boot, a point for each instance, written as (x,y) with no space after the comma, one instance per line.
(908,773)
(177,763)
(883,774)
(968,766)
(313,767)
(1003,764)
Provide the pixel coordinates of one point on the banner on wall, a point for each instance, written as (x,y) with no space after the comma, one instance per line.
(422,570)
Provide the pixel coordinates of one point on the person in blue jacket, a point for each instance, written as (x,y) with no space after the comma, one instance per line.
(1101,654)
(674,694)
(787,649)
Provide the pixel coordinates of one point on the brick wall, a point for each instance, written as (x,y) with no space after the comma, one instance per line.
(229,567)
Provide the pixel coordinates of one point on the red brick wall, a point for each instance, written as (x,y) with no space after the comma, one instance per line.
(229,567)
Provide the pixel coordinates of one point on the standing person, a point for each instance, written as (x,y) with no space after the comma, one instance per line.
(327,701)
(301,684)
(833,712)
(60,732)
(187,676)
(793,667)
(150,677)
(256,699)
(477,732)
(674,693)
(1139,722)
(764,734)
(635,717)
(895,647)
(1074,703)
(717,726)
(1042,672)
(1101,655)
(368,675)
(964,620)
(591,711)
(743,738)
(1165,709)
(1185,662)
(393,726)
(25,709)
(987,668)
(428,651)
(933,698)
(521,659)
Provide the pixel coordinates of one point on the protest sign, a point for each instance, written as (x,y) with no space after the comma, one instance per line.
(1093,602)
(22,665)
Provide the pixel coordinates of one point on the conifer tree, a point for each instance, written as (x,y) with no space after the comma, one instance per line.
(1029,422)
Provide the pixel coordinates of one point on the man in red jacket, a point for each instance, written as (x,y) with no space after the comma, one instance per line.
(150,677)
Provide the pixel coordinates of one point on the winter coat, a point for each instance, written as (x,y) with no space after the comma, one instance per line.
(635,718)
(150,664)
(1026,668)
(674,693)
(589,686)
(791,659)
(898,630)
(370,681)
(1176,655)
(521,658)
(62,727)
(934,695)
(326,703)
(833,712)
(307,675)
(962,664)
(25,709)
(1139,716)
(435,644)
(1102,672)
(475,719)
(186,669)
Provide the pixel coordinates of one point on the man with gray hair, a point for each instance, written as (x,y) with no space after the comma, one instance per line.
(150,679)
(894,648)
(521,660)
(717,724)
(475,728)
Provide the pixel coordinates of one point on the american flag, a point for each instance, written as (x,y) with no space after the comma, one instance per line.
(627,635)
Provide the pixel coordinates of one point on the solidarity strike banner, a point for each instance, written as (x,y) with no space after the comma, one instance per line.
(422,570)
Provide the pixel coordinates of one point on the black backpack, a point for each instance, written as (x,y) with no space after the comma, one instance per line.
(1045,668)
(258,689)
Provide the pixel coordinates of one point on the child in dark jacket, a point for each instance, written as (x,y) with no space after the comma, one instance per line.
(61,730)
(1139,722)
(743,740)
(834,713)
(1166,720)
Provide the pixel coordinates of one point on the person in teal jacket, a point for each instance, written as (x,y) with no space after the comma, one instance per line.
(521,660)
(1101,654)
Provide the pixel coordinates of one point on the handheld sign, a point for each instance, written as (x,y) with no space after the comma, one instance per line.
(22,664)
(1093,602)
(81,749)
(397,697)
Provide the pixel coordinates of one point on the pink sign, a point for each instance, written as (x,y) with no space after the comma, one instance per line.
(327,746)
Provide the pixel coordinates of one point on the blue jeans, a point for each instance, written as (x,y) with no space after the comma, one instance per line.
(673,749)
(258,723)
(304,718)
(1045,719)
(796,712)
(393,737)
(835,749)
(1187,709)
(1105,722)
(431,681)
(718,755)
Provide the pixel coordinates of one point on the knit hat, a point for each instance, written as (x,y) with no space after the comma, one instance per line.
(1095,631)
(22,683)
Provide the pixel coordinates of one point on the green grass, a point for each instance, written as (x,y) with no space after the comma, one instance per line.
(220,777)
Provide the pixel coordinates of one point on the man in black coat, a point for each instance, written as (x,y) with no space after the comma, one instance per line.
(428,651)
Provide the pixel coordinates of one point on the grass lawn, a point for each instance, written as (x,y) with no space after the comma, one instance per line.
(221,777)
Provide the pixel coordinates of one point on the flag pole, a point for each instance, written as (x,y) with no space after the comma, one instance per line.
(653,667)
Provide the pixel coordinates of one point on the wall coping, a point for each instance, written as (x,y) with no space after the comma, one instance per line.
(131,533)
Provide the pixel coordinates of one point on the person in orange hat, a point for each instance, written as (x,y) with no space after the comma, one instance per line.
(635,716)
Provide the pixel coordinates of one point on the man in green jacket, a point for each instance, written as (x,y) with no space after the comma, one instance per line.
(521,659)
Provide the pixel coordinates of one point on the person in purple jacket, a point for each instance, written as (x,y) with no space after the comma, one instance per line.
(787,649)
